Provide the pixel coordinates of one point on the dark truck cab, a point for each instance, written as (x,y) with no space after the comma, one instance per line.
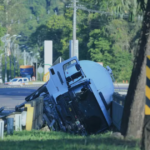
(80,107)
(76,97)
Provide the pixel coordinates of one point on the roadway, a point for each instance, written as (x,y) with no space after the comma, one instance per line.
(10,97)
(121,88)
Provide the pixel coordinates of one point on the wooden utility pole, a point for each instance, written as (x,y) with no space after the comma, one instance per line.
(133,115)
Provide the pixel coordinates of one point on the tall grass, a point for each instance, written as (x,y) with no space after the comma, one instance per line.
(38,140)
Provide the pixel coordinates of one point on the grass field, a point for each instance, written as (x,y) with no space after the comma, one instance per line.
(38,140)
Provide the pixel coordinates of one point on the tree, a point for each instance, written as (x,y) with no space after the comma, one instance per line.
(107,38)
(133,115)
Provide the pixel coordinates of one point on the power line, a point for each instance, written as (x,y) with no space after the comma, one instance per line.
(82,7)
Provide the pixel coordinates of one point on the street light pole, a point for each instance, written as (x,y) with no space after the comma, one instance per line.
(15,68)
(18,69)
(37,66)
(1,69)
(4,39)
(10,72)
(11,44)
(5,63)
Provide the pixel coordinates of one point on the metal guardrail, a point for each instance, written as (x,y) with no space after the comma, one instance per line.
(117,109)
(120,99)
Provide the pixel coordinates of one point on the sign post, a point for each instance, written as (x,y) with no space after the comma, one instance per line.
(48,55)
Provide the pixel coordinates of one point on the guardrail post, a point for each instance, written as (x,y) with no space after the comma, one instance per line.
(34,114)
(38,112)
(41,112)
(18,124)
(10,126)
(1,129)
(29,119)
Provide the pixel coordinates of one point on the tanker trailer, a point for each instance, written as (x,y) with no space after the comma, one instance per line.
(77,97)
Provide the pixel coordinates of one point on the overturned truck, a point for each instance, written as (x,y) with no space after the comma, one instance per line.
(77,97)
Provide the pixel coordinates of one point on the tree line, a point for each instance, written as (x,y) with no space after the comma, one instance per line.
(109,35)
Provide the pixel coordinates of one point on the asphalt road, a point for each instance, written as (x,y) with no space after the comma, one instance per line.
(10,97)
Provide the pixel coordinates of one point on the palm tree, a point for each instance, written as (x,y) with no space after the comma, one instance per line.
(133,115)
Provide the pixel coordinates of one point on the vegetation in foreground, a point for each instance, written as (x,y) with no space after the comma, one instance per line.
(38,140)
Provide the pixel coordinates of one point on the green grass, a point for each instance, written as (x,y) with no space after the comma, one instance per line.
(38,140)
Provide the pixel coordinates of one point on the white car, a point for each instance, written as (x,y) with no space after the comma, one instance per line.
(17,81)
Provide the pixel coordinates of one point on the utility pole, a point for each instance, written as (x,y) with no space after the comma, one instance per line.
(24,57)
(14,68)
(4,39)
(5,62)
(74,51)
(0,68)
(7,15)
(74,26)
(74,48)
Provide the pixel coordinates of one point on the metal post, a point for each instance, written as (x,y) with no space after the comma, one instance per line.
(74,26)
(1,68)
(14,68)
(18,70)
(11,44)
(36,71)
(24,57)
(10,73)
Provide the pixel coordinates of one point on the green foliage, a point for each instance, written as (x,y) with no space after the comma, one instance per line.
(15,71)
(109,36)
(2,32)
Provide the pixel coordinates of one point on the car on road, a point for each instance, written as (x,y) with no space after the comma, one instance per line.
(17,81)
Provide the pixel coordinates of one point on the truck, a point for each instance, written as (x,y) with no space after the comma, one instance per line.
(77,97)
(27,71)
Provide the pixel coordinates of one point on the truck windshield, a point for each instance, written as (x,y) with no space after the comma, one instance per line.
(88,110)
(71,73)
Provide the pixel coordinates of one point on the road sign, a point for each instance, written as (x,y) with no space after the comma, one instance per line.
(40,70)
(147,91)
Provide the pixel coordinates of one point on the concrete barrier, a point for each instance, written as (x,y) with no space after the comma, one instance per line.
(34,118)
(29,119)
